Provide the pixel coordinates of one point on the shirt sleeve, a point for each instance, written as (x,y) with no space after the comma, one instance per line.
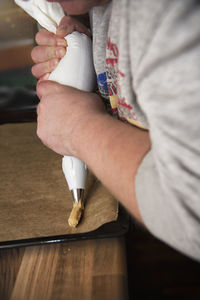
(166,78)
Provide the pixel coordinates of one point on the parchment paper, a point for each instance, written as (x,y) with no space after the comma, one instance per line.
(34,196)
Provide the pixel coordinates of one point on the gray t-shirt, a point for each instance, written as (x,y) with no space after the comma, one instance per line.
(147,59)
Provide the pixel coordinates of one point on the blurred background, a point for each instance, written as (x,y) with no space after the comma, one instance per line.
(17,31)
(17,85)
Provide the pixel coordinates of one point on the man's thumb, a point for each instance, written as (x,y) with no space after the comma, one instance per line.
(68,25)
(47,87)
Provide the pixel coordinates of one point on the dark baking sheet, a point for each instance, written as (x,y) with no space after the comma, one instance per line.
(112,229)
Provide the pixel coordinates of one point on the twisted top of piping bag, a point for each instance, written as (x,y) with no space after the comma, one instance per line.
(47,14)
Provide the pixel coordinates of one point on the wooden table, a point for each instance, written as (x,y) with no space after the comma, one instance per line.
(86,270)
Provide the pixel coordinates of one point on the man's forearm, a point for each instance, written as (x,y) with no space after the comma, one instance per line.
(113,151)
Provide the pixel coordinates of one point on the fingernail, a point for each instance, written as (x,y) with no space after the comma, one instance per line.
(62,27)
(61,42)
(55,62)
(46,76)
(60,52)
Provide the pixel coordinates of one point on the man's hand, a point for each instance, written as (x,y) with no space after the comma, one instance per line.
(51,48)
(63,112)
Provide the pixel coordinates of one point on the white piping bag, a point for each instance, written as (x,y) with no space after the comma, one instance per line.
(75,69)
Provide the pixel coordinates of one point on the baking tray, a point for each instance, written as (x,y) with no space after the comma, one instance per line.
(19,105)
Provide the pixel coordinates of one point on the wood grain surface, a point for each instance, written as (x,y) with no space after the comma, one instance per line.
(90,269)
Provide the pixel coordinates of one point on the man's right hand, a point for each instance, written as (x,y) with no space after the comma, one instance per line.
(52,47)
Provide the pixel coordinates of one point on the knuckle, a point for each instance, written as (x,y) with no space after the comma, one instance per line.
(38,37)
(38,132)
(59,52)
(48,53)
(44,37)
(41,107)
(34,71)
(53,63)
(67,20)
(33,53)
(39,93)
